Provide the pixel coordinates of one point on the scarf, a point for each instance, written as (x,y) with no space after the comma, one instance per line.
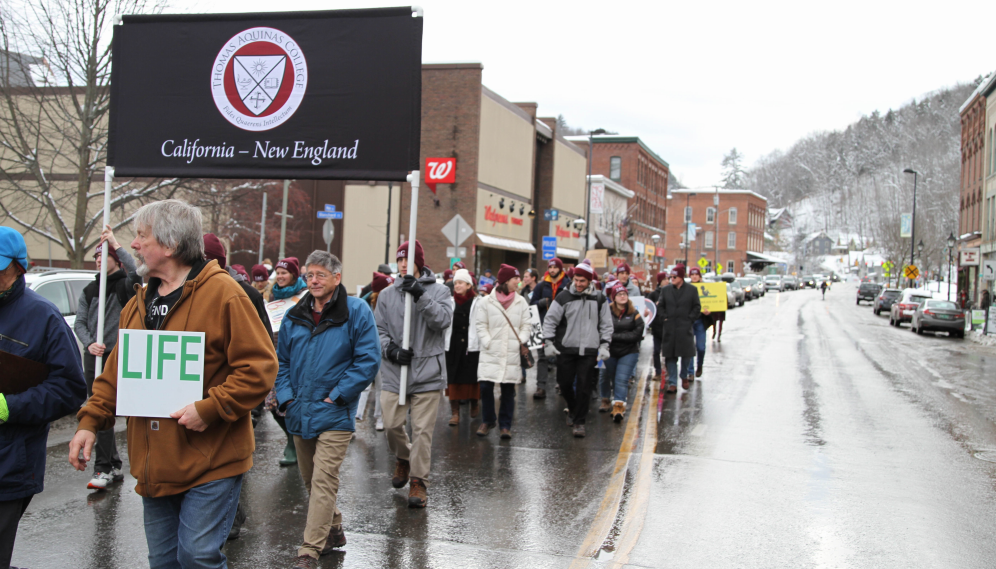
(554,284)
(282,292)
(462,299)
(504,299)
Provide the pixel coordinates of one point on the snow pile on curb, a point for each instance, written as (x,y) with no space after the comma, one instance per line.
(977,337)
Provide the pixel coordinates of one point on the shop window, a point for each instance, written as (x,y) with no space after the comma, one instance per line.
(615,168)
(731,267)
(733,216)
(731,240)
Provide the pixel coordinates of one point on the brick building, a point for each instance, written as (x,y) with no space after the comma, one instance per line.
(729,228)
(971,201)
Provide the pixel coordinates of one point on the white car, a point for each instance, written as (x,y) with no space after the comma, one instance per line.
(63,288)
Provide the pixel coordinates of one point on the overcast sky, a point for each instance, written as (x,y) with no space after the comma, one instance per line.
(694,79)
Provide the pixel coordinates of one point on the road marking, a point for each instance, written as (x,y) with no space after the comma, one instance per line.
(609,507)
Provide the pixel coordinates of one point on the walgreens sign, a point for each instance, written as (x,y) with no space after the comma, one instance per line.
(439,171)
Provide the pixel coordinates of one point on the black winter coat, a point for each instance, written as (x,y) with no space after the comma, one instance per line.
(627,333)
(657,324)
(678,308)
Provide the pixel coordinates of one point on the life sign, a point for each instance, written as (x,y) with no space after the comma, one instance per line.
(159,372)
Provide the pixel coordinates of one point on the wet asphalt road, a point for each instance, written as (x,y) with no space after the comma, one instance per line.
(819,436)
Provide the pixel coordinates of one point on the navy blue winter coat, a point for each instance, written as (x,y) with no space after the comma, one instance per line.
(336,359)
(33,328)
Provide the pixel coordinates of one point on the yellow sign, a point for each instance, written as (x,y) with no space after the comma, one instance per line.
(703,263)
(911,272)
(712,296)
(649,251)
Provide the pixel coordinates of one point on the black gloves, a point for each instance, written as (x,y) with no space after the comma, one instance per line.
(411,285)
(398,355)
(543,303)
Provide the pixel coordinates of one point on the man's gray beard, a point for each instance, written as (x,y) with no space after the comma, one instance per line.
(142,269)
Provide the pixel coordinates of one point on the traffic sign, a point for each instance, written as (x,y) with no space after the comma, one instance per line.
(703,263)
(551,214)
(549,248)
(329,207)
(457,230)
(911,272)
(330,215)
(456,253)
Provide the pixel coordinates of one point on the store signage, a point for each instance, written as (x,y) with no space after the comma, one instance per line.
(439,171)
(969,257)
(597,198)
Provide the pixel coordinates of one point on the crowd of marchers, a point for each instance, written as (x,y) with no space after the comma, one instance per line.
(467,335)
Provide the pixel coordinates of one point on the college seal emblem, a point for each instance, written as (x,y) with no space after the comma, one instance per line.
(259,79)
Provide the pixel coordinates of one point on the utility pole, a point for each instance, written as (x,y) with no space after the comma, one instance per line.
(262,230)
(283,221)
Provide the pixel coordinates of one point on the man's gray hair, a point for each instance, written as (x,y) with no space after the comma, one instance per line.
(330,262)
(175,225)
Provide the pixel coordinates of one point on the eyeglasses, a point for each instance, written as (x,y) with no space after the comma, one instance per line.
(319,276)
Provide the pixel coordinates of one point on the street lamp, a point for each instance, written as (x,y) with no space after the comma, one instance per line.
(587,202)
(913,221)
(951,244)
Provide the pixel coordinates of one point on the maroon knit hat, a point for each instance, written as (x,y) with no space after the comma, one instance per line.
(615,289)
(291,265)
(569,273)
(555,262)
(584,270)
(623,267)
(241,270)
(419,254)
(259,273)
(213,249)
(660,277)
(678,271)
(459,265)
(506,272)
(110,253)
(380,282)
(694,271)
(447,275)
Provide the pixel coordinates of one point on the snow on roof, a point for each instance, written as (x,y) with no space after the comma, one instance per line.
(714,190)
(986,81)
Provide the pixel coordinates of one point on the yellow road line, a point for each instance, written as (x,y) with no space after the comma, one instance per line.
(640,500)
(609,507)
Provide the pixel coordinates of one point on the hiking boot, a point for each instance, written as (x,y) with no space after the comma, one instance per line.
(290,453)
(417,497)
(336,539)
(698,372)
(618,411)
(401,471)
(579,431)
(540,394)
(455,409)
(506,434)
(672,388)
(484,429)
(605,406)
(305,562)
(475,410)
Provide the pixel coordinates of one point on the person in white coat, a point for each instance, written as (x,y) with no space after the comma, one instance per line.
(462,348)
(502,321)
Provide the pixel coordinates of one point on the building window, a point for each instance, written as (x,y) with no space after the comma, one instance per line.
(710,215)
(733,216)
(615,168)
(688,214)
(731,240)
(708,240)
(731,267)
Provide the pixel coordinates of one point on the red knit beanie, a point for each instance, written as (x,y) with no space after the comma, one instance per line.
(615,289)
(584,270)
(259,273)
(447,275)
(661,277)
(239,269)
(459,265)
(679,271)
(213,249)
(623,267)
(380,282)
(555,262)
(419,254)
(291,265)
(506,272)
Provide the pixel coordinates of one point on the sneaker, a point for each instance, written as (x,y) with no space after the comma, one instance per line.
(401,471)
(240,518)
(305,562)
(117,475)
(686,382)
(335,540)
(579,431)
(417,496)
(380,424)
(100,481)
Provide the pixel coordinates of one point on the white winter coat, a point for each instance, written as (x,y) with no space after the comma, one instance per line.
(499,346)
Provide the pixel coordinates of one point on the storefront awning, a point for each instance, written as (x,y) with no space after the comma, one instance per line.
(753,257)
(610,242)
(569,253)
(506,243)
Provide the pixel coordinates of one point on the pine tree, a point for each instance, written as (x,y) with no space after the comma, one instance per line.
(733,172)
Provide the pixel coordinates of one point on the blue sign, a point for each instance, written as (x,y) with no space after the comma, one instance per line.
(329,207)
(330,215)
(549,247)
(551,214)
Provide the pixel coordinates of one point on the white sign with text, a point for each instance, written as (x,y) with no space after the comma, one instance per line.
(159,372)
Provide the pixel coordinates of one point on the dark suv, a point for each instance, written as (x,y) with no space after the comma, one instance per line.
(868,291)
(883,302)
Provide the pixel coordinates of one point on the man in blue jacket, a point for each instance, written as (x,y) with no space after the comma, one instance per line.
(31,328)
(329,352)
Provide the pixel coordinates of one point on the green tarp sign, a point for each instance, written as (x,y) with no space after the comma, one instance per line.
(159,372)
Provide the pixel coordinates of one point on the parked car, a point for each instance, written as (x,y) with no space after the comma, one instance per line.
(739,292)
(63,288)
(791,282)
(758,281)
(939,315)
(731,297)
(868,291)
(748,286)
(885,299)
(903,309)
(774,282)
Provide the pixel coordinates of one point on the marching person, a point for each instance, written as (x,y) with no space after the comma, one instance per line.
(542,296)
(432,313)
(578,326)
(824,286)
(189,466)
(463,348)
(699,327)
(121,280)
(502,323)
(657,325)
(623,272)
(261,281)
(487,279)
(529,280)
(288,279)
(329,352)
(624,351)
(33,334)
(678,307)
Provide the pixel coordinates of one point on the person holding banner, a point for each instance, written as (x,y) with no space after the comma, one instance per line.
(624,350)
(189,463)
(463,348)
(699,327)
(288,279)
(678,306)
(426,361)
(329,352)
(121,280)
(42,381)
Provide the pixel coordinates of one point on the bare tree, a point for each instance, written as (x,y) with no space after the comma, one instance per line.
(54,108)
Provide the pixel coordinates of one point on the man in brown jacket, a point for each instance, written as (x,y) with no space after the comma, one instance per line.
(189,466)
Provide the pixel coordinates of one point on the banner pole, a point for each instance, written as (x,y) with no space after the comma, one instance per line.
(413,179)
(262,230)
(108,182)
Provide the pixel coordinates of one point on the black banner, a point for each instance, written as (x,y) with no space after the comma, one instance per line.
(326,95)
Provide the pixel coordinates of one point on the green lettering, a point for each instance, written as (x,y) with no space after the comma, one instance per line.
(125,373)
(185,357)
(148,356)
(164,355)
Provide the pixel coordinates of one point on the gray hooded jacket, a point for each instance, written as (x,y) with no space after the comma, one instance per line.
(579,322)
(86,312)
(431,316)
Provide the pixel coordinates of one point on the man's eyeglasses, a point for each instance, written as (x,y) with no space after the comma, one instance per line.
(319,276)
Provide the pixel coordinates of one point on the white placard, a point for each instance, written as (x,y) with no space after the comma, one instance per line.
(535,340)
(159,372)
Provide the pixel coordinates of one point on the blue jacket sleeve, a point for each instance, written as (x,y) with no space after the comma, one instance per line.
(366,355)
(63,391)
(285,391)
